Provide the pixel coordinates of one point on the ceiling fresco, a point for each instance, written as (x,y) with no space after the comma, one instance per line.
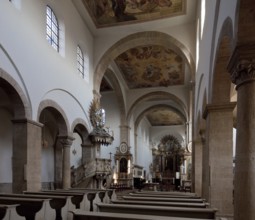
(113,12)
(164,117)
(151,66)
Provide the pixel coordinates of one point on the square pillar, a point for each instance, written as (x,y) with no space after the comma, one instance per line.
(219,142)
(26,155)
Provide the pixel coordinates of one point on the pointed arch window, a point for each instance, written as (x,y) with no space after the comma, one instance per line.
(80,61)
(52,28)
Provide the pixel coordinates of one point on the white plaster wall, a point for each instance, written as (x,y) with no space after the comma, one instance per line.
(47,172)
(39,68)
(144,154)
(207,47)
(76,151)
(5,147)
(156,133)
(204,49)
(112,113)
(181,92)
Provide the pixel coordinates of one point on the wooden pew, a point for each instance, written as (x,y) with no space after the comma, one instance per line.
(85,215)
(169,204)
(101,194)
(110,193)
(183,212)
(31,208)
(166,194)
(160,199)
(76,198)
(8,212)
(60,203)
(88,199)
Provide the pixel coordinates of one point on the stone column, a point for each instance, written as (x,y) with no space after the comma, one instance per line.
(26,155)
(125,133)
(219,139)
(242,67)
(205,166)
(197,161)
(66,171)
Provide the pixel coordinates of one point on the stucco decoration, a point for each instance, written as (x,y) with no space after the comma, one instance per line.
(114,12)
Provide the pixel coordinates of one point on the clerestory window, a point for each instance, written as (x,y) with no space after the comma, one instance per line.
(52,29)
(80,61)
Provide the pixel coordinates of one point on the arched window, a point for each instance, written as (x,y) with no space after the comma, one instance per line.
(86,66)
(80,61)
(52,29)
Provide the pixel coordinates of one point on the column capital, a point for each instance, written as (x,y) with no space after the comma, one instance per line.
(66,141)
(242,65)
(229,106)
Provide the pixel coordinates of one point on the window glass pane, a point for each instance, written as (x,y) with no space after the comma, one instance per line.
(80,63)
(52,28)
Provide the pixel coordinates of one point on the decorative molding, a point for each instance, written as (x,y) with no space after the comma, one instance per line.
(218,107)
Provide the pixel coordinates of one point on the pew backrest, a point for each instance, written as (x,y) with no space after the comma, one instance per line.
(31,208)
(8,212)
(86,215)
(207,213)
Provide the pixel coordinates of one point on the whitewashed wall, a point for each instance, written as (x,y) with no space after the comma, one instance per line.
(207,41)
(35,65)
(110,104)
(144,154)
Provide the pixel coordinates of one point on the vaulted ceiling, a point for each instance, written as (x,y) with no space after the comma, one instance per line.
(147,66)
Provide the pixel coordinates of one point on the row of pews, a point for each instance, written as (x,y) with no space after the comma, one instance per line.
(151,205)
(93,204)
(51,204)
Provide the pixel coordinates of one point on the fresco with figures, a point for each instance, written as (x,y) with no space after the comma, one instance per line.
(113,12)
(151,66)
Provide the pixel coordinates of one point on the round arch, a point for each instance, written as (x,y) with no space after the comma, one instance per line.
(150,109)
(138,39)
(58,113)
(22,106)
(220,83)
(158,95)
(116,85)
(81,127)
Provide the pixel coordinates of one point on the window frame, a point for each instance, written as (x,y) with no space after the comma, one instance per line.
(52,28)
(80,61)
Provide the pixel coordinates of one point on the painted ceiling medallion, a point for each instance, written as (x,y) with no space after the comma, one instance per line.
(151,66)
(113,12)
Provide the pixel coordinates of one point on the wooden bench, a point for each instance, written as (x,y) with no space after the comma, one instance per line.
(204,213)
(62,204)
(8,212)
(165,194)
(77,198)
(88,202)
(102,195)
(169,204)
(110,193)
(31,208)
(158,199)
(85,215)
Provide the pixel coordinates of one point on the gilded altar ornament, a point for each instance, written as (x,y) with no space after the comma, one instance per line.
(97,119)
